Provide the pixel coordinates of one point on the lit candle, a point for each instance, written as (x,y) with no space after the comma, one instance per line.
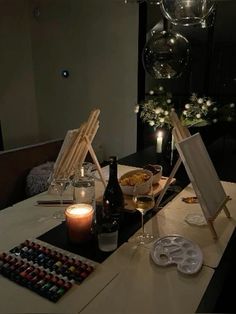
(159,142)
(79,218)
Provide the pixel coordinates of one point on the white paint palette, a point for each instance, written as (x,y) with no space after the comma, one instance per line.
(175,249)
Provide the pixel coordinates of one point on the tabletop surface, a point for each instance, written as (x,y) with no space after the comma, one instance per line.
(128,281)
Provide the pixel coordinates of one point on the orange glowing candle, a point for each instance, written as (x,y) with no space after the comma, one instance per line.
(79,218)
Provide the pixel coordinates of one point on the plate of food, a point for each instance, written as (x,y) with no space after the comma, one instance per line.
(141,177)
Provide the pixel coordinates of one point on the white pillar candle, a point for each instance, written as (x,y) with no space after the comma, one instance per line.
(159,142)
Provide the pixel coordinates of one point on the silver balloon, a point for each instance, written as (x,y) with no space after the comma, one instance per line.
(166,55)
(186,12)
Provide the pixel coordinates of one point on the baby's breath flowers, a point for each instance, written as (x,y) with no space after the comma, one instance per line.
(156,108)
(201,111)
(198,111)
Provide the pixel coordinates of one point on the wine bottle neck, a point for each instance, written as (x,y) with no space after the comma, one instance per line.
(113,172)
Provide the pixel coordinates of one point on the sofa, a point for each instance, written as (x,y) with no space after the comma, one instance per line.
(16,164)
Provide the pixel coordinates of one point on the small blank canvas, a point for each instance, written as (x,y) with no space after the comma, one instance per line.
(202,175)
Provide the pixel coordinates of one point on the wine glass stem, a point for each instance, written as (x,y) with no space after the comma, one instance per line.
(142,224)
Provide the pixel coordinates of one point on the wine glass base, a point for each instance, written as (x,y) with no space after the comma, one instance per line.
(144,238)
(59,215)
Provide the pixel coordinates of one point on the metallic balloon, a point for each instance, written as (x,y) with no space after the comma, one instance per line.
(166,55)
(186,12)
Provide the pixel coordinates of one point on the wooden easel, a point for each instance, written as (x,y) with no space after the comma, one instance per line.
(213,203)
(76,145)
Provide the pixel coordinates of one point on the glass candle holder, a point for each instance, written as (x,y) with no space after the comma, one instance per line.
(84,185)
(79,219)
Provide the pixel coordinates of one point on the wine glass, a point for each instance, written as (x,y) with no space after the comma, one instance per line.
(144,201)
(59,184)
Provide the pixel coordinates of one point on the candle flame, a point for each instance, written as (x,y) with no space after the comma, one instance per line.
(83,193)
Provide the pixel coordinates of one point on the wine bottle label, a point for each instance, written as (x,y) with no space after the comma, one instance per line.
(108,241)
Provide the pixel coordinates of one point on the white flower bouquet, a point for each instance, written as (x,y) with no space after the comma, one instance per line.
(156,108)
(199,111)
(203,111)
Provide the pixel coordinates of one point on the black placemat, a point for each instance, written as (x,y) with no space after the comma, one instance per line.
(58,237)
(131,222)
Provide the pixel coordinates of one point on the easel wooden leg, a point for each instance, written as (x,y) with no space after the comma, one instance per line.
(95,160)
(227,213)
(212,229)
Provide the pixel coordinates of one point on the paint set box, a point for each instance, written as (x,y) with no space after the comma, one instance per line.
(45,270)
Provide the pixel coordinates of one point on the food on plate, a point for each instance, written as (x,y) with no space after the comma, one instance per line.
(135,178)
(153,168)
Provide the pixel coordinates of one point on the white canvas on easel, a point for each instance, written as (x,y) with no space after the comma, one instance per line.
(202,175)
(201,172)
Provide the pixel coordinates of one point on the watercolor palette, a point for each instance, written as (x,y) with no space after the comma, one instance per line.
(175,249)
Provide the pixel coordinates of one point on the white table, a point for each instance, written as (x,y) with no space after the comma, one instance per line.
(128,281)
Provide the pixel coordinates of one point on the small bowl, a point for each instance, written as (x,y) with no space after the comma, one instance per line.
(156,171)
(144,186)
